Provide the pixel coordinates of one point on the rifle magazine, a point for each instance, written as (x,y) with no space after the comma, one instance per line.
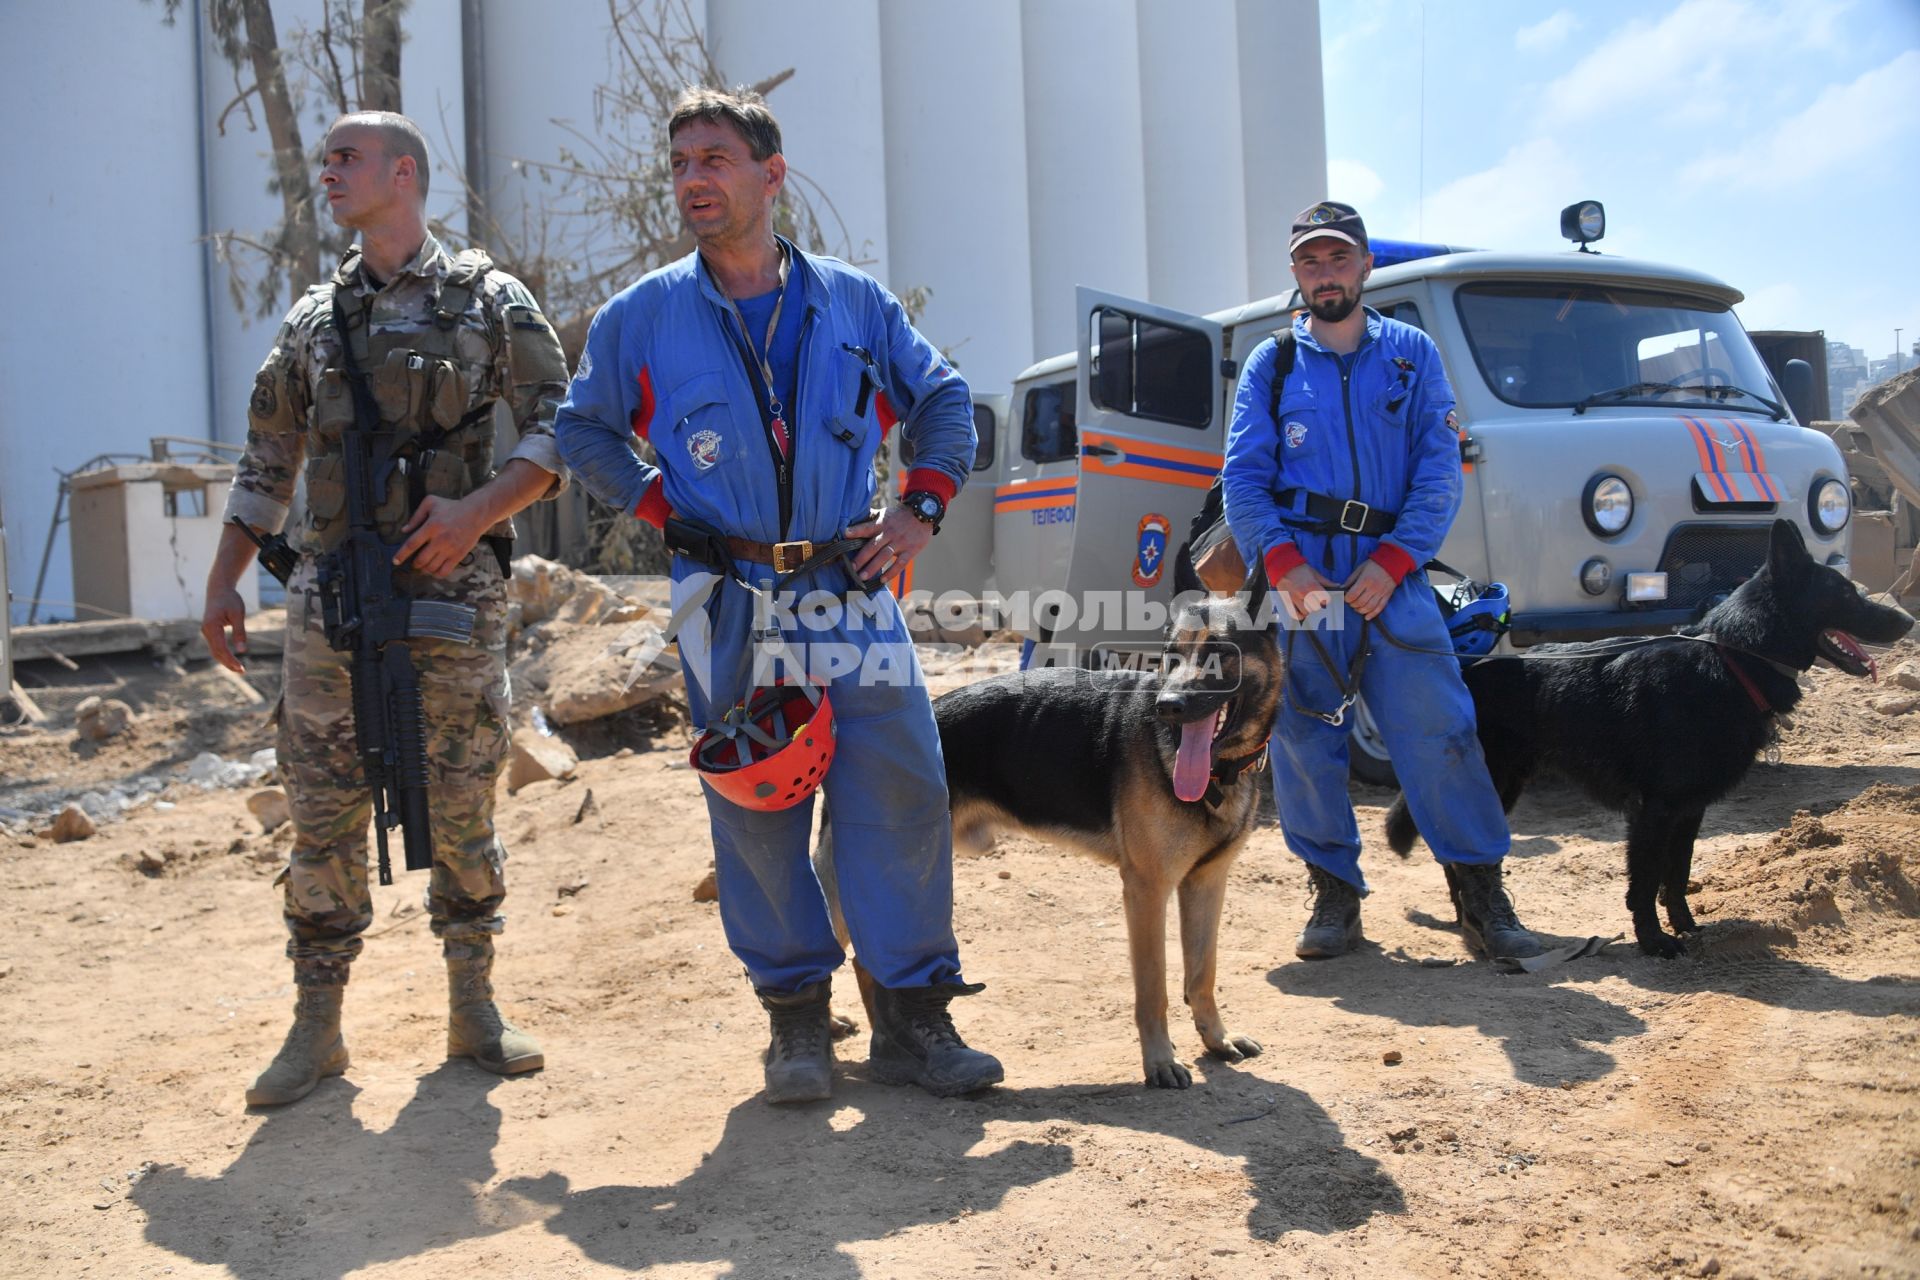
(441,620)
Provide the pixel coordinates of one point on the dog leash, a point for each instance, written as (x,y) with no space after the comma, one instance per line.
(1349,685)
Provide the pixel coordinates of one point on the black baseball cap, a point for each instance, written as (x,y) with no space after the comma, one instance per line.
(1331,219)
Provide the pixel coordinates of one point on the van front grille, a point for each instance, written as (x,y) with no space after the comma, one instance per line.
(1703,561)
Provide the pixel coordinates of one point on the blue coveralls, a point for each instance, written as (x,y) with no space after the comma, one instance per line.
(1364,427)
(664,360)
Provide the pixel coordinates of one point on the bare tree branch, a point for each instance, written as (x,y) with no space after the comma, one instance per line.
(338,78)
(289,155)
(220,125)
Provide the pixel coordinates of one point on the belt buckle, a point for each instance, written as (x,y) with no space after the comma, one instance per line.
(1360,523)
(789,556)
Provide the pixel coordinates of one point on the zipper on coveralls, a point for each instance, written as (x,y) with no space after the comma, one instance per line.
(1353,446)
(782,466)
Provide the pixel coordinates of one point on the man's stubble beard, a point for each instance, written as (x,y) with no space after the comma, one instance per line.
(1335,310)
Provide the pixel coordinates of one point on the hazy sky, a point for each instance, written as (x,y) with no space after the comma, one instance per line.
(1774,145)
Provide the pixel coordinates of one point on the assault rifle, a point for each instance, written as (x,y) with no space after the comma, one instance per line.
(364,613)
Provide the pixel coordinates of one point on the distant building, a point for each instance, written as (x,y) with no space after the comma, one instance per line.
(993,152)
(1846,377)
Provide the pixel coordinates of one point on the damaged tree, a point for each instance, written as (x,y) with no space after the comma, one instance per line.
(350,62)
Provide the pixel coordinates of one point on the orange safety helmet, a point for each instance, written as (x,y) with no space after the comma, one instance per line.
(770,751)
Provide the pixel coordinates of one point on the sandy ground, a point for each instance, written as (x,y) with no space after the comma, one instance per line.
(1747,1110)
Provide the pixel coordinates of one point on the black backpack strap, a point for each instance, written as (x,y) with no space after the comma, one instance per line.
(1285,346)
(1214,508)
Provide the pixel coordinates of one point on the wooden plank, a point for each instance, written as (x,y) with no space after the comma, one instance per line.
(28,707)
(78,639)
(266,634)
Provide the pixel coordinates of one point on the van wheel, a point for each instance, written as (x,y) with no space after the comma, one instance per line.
(1367,759)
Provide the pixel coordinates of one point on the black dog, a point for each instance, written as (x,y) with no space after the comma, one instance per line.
(1663,728)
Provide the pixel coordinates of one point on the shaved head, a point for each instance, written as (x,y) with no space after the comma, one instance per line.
(398,137)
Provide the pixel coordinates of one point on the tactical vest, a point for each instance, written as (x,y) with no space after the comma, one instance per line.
(442,437)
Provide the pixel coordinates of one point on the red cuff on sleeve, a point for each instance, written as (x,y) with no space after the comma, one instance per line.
(932,481)
(1394,560)
(1281,561)
(653,506)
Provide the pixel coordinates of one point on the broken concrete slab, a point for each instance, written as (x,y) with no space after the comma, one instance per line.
(270,807)
(535,757)
(584,673)
(1890,414)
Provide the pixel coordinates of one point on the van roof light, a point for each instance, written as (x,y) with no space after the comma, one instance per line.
(1583,223)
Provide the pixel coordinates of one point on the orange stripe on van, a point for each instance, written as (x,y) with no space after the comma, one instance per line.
(1137,471)
(1703,444)
(1154,449)
(1034,503)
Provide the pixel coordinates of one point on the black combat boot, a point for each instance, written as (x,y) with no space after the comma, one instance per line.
(800,1054)
(914,1042)
(1486,912)
(475,1028)
(1334,927)
(314,1047)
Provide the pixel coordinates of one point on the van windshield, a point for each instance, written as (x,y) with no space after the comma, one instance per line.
(1544,345)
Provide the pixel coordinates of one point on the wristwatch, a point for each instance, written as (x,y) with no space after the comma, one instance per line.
(925,506)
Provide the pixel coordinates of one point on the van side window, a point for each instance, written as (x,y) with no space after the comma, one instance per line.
(984,424)
(1405,313)
(1048,432)
(1146,369)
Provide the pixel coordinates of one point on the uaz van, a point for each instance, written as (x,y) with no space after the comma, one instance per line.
(1624,450)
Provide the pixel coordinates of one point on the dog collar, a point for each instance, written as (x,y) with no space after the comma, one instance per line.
(1746,681)
(1228,772)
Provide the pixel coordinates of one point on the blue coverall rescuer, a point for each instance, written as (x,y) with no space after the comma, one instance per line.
(1352,485)
(766,379)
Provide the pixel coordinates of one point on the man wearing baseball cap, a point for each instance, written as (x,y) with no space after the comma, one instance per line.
(1345,479)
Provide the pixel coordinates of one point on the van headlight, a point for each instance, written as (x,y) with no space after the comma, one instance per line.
(1607,505)
(1829,506)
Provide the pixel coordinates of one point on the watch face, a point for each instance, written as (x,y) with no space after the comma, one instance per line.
(929,506)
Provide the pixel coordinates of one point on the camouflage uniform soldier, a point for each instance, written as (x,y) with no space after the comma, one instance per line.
(441,340)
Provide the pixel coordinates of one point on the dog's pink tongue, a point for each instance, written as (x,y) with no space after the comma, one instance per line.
(1851,647)
(1194,763)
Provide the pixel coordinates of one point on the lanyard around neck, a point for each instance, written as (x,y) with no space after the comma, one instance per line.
(764,351)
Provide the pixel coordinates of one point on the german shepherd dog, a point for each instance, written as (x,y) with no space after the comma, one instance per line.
(1156,774)
(1663,728)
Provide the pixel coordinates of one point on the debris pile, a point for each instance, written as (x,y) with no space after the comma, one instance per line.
(580,648)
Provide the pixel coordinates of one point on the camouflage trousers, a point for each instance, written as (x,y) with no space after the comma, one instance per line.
(328,902)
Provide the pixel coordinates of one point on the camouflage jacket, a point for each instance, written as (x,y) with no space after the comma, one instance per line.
(503,346)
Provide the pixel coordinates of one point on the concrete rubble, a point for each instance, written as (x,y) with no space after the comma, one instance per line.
(98,719)
(72,824)
(1881,446)
(270,808)
(582,649)
(207,771)
(535,757)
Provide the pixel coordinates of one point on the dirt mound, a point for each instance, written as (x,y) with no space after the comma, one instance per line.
(1829,869)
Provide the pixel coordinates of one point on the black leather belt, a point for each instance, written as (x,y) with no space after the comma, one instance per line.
(1317,513)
